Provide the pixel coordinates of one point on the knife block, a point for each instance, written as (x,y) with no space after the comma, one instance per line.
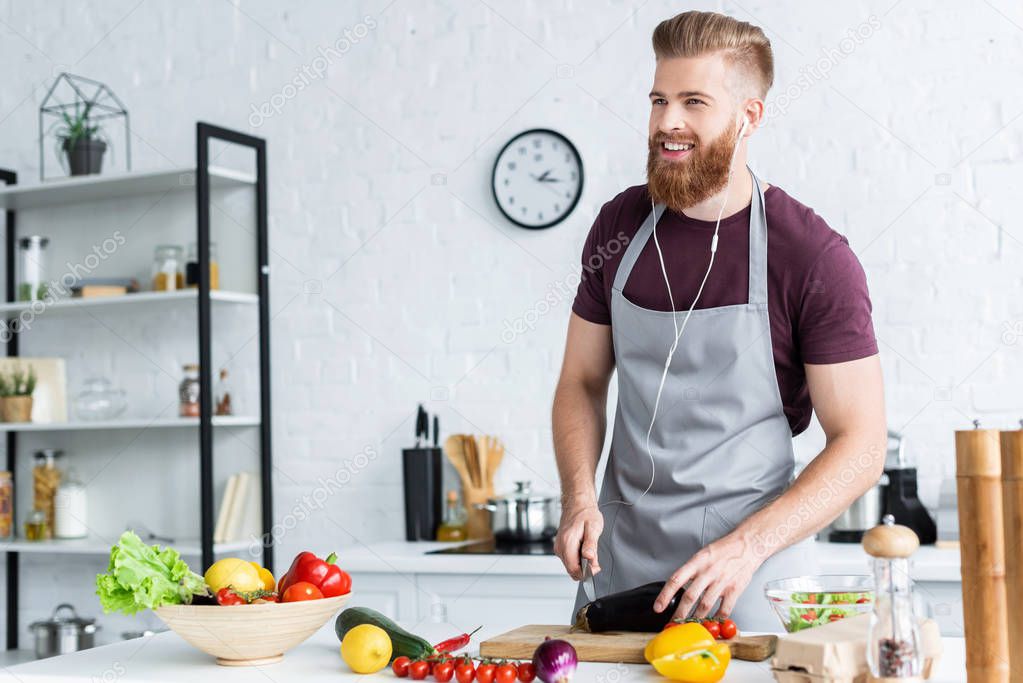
(423,479)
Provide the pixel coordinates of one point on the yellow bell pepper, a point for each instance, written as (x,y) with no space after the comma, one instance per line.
(701,665)
(688,653)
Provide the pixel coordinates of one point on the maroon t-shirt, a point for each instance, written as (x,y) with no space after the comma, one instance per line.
(818,302)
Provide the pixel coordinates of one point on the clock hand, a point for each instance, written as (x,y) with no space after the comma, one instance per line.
(549,180)
(543,176)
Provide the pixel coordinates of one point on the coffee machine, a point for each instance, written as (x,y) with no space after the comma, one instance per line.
(900,492)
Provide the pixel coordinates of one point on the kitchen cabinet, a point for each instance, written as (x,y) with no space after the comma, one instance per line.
(462,598)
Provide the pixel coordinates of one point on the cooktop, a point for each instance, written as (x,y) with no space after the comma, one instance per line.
(499,548)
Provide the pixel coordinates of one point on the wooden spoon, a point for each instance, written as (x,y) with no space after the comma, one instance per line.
(495,454)
(454,448)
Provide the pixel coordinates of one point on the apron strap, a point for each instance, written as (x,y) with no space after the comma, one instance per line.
(757,245)
(635,247)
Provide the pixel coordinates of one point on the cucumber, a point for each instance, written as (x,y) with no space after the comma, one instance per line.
(402,642)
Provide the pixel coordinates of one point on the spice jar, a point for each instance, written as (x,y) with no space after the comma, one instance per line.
(35,526)
(70,508)
(188,392)
(893,640)
(168,275)
(32,267)
(6,505)
(192,266)
(45,480)
(223,395)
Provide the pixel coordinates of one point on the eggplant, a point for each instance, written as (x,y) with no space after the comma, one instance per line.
(631,610)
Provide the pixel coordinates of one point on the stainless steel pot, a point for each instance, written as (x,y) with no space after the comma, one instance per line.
(864,513)
(61,634)
(523,516)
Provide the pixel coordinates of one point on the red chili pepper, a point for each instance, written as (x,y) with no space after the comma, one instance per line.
(456,643)
(324,574)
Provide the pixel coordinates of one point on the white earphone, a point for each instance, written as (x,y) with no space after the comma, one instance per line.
(699,292)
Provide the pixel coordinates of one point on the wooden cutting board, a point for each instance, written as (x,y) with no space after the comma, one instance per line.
(614,646)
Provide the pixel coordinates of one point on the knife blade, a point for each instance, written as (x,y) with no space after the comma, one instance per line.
(587,581)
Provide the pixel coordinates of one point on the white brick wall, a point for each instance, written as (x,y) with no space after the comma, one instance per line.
(394,274)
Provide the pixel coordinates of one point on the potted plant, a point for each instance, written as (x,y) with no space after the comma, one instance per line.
(79,138)
(17,389)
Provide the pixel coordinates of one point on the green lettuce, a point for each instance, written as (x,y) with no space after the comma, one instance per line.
(141,577)
(831,606)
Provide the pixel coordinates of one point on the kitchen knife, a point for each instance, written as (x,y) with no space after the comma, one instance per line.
(587,581)
(436,431)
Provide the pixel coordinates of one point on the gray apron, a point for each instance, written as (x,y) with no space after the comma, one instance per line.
(721,444)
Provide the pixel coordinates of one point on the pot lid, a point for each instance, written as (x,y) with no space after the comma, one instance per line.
(63,621)
(523,493)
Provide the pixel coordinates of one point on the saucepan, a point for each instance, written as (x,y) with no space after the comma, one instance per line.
(523,516)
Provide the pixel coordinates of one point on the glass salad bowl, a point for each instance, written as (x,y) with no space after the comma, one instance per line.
(803,602)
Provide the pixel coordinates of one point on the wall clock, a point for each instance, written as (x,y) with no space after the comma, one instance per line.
(537,178)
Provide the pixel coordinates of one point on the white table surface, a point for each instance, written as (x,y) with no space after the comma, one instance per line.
(166,657)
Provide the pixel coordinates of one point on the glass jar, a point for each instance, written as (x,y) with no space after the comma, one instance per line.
(99,400)
(188,392)
(32,268)
(893,640)
(70,508)
(168,274)
(6,505)
(45,480)
(453,528)
(223,395)
(192,267)
(35,526)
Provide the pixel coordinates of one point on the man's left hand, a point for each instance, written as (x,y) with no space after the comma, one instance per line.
(721,569)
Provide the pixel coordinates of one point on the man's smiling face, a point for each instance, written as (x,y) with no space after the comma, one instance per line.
(693,128)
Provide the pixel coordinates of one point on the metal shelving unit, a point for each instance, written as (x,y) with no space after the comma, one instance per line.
(200,180)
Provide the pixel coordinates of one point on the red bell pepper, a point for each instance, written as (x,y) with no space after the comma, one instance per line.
(324,574)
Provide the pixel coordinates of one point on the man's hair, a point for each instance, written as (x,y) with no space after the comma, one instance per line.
(692,34)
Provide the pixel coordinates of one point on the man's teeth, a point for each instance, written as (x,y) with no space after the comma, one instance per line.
(677,146)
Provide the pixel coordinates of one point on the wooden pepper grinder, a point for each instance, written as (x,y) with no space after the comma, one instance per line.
(893,641)
(1012,510)
(982,554)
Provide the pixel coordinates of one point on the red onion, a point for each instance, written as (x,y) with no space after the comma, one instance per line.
(555,661)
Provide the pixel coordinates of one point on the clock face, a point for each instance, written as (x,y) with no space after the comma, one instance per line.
(537,179)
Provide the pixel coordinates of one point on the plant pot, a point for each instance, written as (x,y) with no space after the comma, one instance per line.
(85,155)
(17,408)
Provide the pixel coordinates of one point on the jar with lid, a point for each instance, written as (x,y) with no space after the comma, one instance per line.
(168,274)
(188,392)
(70,508)
(6,505)
(35,526)
(32,268)
(192,266)
(45,480)
(99,400)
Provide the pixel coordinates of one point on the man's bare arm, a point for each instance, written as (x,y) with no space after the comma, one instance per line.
(579,426)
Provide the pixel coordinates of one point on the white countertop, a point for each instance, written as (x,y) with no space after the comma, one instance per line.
(166,657)
(929,563)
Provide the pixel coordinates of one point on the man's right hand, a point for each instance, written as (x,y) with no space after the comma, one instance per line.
(578,533)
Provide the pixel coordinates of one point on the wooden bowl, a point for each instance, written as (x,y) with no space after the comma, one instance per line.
(247,635)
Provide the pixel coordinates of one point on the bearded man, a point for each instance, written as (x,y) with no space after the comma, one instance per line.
(733,314)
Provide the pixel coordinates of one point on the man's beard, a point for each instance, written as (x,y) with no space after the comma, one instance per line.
(687,182)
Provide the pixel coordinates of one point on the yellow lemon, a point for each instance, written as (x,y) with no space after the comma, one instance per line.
(269,583)
(234,572)
(676,639)
(366,649)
